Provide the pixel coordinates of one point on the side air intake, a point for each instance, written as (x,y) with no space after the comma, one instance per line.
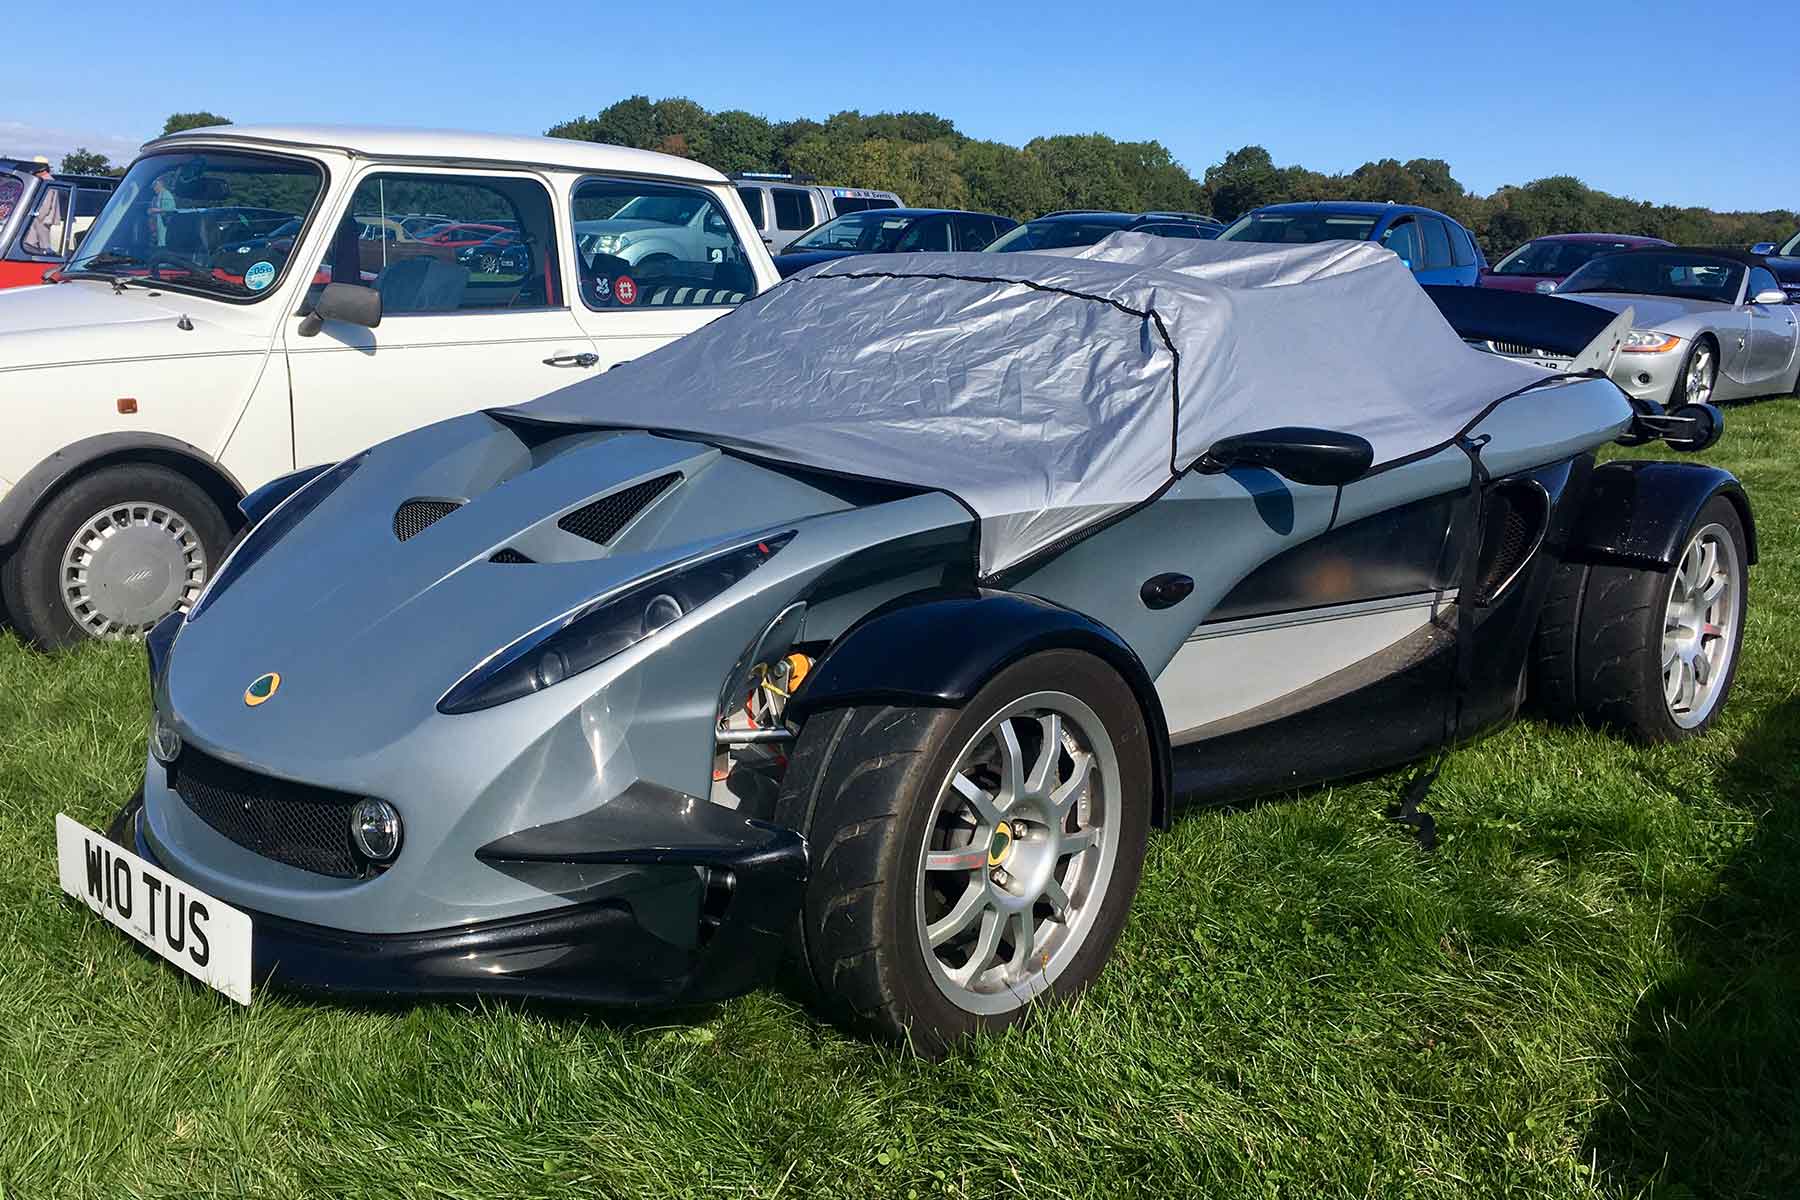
(602,520)
(416,516)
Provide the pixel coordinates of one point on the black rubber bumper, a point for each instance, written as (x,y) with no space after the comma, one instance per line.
(599,953)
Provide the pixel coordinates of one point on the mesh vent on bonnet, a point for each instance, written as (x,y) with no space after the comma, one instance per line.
(416,516)
(602,520)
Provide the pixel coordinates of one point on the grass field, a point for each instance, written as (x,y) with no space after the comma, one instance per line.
(1592,989)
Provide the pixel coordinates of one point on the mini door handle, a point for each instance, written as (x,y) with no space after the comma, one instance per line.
(1166,591)
(584,359)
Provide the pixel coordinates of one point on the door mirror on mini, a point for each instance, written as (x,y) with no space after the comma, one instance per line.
(1769,296)
(349,302)
(1321,457)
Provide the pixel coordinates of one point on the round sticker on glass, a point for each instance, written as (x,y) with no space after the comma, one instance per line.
(259,275)
(625,290)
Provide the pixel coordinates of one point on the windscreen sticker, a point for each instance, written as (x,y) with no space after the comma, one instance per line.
(625,290)
(259,275)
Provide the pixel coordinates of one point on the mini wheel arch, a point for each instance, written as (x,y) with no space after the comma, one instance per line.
(938,650)
(81,458)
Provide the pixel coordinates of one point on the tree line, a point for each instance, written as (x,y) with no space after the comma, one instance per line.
(927,161)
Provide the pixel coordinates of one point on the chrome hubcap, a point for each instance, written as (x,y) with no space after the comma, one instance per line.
(1019,853)
(130,565)
(1700,626)
(1699,384)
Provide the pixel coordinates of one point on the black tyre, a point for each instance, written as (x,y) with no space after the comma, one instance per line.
(1657,651)
(111,554)
(1699,372)
(959,871)
(1552,689)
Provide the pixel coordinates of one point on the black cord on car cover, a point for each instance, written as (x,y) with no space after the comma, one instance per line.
(1406,810)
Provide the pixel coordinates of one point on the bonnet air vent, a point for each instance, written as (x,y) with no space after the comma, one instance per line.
(602,520)
(416,516)
(508,555)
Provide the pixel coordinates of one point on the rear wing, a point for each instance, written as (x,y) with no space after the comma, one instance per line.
(1564,334)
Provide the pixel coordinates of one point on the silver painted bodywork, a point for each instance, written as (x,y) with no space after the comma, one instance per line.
(1759,344)
(369,632)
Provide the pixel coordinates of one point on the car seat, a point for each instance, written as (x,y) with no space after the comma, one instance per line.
(421,284)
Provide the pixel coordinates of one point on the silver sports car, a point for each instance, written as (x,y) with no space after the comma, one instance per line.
(1708,325)
(875,627)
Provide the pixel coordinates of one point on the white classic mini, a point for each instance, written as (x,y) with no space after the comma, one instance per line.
(253,300)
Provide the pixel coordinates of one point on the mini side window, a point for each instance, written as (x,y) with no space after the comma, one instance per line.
(653,245)
(489,243)
(1437,244)
(793,209)
(753,204)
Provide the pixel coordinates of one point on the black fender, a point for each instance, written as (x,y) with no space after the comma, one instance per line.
(19,505)
(934,649)
(1635,513)
(267,498)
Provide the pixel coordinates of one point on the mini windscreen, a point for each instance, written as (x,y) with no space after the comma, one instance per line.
(1546,324)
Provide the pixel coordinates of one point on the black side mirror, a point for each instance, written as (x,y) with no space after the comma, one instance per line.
(1323,457)
(343,302)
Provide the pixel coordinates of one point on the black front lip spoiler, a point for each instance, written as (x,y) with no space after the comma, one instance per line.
(597,953)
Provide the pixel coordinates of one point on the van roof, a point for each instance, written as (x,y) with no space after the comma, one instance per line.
(439,145)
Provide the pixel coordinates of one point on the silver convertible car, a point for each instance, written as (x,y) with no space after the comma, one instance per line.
(876,626)
(1708,325)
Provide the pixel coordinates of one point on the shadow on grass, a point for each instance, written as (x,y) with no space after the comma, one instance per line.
(1706,1098)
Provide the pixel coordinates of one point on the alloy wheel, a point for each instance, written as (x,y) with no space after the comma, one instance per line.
(1019,853)
(1698,385)
(1700,625)
(128,566)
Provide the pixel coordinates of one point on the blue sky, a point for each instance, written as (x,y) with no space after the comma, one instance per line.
(1656,100)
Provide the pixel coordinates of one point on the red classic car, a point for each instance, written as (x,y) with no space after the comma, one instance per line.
(42,221)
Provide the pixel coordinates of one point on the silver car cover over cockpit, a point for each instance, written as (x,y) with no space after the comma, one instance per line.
(1051,393)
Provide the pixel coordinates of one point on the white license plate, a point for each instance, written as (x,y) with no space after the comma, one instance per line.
(207,938)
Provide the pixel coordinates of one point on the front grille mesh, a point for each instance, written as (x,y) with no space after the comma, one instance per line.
(602,520)
(416,516)
(292,823)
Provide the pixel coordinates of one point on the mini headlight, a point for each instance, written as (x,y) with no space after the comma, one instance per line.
(591,635)
(375,829)
(165,743)
(1649,341)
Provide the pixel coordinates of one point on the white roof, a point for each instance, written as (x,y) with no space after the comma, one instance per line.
(455,145)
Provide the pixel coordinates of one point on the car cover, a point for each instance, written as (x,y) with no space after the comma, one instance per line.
(1050,394)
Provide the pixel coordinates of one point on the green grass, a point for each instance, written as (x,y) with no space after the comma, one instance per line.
(1593,989)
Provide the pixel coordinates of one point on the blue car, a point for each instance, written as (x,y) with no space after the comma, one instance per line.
(1435,247)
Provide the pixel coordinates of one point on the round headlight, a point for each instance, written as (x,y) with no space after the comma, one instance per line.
(165,743)
(662,609)
(375,829)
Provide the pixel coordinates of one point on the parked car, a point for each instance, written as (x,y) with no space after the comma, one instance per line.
(502,253)
(890,231)
(782,207)
(29,247)
(1074,228)
(1435,247)
(803,637)
(1787,249)
(671,227)
(1708,324)
(143,400)
(1542,263)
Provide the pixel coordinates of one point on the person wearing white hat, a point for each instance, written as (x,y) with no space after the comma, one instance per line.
(43,234)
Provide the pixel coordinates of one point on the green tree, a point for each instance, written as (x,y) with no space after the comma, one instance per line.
(82,161)
(1246,179)
(192,120)
(740,141)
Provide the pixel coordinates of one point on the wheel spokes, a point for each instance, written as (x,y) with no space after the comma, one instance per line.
(972,904)
(980,801)
(1012,765)
(981,955)
(1043,771)
(1072,789)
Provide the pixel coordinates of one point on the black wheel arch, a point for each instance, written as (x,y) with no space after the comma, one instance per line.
(937,649)
(1636,513)
(77,459)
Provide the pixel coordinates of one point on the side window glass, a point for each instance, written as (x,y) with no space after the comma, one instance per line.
(47,223)
(490,243)
(88,203)
(653,245)
(1462,247)
(793,209)
(1437,244)
(1402,238)
(1761,281)
(753,202)
(933,233)
(11,188)
(973,233)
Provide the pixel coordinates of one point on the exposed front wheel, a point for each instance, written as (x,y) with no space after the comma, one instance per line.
(967,861)
(111,554)
(1655,652)
(1698,375)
